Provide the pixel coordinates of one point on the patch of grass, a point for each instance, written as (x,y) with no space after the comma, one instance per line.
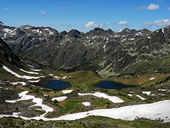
(5,76)
(83,80)
(141,80)
(91,121)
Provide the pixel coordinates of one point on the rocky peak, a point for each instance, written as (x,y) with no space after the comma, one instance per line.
(63,33)
(146,31)
(1,24)
(126,30)
(74,33)
(110,31)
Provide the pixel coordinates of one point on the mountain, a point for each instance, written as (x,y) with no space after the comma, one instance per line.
(65,50)
(6,55)
(149,54)
(24,102)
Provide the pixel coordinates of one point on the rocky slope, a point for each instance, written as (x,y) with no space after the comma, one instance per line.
(149,54)
(6,55)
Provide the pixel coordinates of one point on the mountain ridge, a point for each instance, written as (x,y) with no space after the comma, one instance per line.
(103,51)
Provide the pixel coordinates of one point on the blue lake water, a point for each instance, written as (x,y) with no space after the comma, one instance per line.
(111,85)
(57,85)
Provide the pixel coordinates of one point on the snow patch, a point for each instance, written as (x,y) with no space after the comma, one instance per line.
(48,30)
(62,98)
(86,103)
(28,71)
(163,90)
(19,76)
(138,34)
(66,91)
(56,77)
(152,78)
(37,31)
(132,39)
(37,101)
(37,70)
(147,92)
(123,40)
(113,99)
(116,36)
(34,81)
(15,83)
(129,94)
(162,30)
(104,47)
(9,31)
(64,77)
(153,111)
(141,97)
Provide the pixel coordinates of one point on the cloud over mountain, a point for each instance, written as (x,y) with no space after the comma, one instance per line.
(162,22)
(92,24)
(122,23)
(147,24)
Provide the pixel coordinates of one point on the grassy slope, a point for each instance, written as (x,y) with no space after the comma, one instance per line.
(98,122)
(83,81)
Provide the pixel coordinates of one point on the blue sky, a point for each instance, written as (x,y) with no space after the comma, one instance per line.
(85,15)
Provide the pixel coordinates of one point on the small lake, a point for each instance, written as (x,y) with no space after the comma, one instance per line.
(57,85)
(111,85)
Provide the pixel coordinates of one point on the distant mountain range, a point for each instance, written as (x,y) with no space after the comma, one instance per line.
(106,52)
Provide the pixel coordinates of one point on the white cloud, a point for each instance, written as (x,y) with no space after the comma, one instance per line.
(92,24)
(150,7)
(168,8)
(122,23)
(66,8)
(160,1)
(153,7)
(162,22)
(43,12)
(147,24)
(6,9)
(141,8)
(107,23)
(60,8)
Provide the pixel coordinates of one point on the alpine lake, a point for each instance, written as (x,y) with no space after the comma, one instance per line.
(60,85)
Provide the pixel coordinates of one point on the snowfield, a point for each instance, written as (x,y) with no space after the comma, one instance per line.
(38,102)
(19,76)
(153,111)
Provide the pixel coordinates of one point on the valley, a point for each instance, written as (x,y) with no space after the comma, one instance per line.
(37,55)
